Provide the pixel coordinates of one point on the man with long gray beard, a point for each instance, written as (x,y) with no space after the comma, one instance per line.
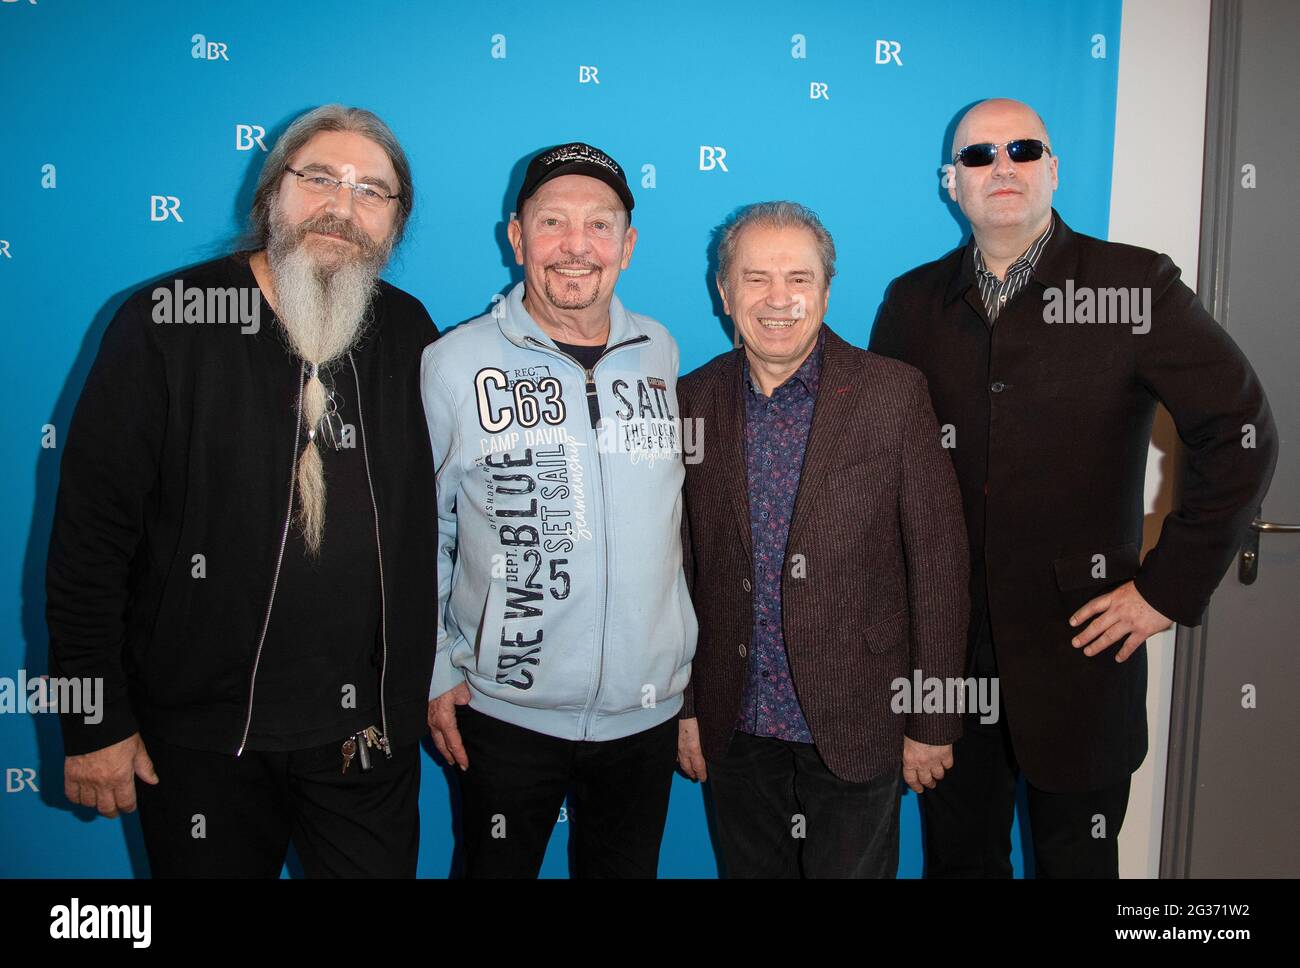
(245,538)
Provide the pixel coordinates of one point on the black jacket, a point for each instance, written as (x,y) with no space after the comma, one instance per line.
(1051,424)
(183,443)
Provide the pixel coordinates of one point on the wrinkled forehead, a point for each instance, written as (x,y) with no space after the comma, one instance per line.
(784,243)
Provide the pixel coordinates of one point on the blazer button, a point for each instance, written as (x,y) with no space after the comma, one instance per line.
(998,387)
(748,586)
(743,651)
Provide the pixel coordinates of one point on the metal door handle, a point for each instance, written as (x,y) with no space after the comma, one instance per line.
(1259,525)
(1248,566)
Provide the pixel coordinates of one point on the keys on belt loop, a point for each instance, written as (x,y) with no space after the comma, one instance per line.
(359,745)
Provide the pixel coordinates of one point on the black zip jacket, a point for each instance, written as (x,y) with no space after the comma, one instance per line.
(183,443)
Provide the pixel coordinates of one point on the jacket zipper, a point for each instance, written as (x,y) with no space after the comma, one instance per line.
(379,550)
(275,579)
(590,374)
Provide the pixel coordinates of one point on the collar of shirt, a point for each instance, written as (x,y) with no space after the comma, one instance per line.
(807,377)
(1023,265)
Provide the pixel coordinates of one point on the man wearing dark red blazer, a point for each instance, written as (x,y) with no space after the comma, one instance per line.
(1046,352)
(828,562)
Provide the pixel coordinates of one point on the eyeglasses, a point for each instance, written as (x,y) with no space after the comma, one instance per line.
(979,155)
(367,196)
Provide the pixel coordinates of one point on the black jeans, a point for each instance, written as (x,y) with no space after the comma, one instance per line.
(215,815)
(968,815)
(781,813)
(517,781)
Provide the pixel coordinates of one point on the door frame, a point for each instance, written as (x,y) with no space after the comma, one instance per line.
(1191,644)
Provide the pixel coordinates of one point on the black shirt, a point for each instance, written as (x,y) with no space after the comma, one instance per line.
(318,677)
(587,357)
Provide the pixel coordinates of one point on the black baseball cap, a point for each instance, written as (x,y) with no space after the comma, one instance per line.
(575,158)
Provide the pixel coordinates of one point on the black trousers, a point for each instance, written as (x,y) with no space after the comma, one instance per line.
(781,813)
(215,815)
(968,815)
(516,784)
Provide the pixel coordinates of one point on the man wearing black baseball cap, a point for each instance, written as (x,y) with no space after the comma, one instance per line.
(574,158)
(565,630)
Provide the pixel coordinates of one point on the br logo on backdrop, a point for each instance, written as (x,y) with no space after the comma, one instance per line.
(887,51)
(713,156)
(163,207)
(204,49)
(247,135)
(20,778)
(587,74)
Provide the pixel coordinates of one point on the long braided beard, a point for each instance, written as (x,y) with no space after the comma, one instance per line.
(322,305)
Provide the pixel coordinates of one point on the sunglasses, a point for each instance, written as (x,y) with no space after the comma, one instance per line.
(1023,149)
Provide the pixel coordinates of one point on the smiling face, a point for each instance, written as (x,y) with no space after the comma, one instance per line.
(333,228)
(1006,195)
(573,240)
(776,294)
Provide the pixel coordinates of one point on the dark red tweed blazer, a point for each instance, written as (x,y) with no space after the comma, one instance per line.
(875,576)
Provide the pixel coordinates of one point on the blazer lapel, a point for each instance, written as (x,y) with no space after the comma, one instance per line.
(832,417)
(729,438)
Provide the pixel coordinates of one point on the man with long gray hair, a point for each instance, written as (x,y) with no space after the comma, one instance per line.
(265,651)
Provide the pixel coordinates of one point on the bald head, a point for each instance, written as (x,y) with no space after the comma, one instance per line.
(998,112)
(1007,202)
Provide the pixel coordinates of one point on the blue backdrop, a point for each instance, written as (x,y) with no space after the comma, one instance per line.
(110,105)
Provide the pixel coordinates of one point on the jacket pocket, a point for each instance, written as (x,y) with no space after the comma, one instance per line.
(487,648)
(887,634)
(877,464)
(1096,569)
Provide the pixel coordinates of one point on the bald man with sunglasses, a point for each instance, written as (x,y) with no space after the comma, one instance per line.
(1046,352)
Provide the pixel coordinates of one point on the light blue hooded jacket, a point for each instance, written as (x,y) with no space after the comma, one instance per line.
(561,596)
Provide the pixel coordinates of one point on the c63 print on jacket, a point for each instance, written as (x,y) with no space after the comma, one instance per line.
(563,603)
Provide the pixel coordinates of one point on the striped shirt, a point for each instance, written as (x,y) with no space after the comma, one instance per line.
(996,292)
